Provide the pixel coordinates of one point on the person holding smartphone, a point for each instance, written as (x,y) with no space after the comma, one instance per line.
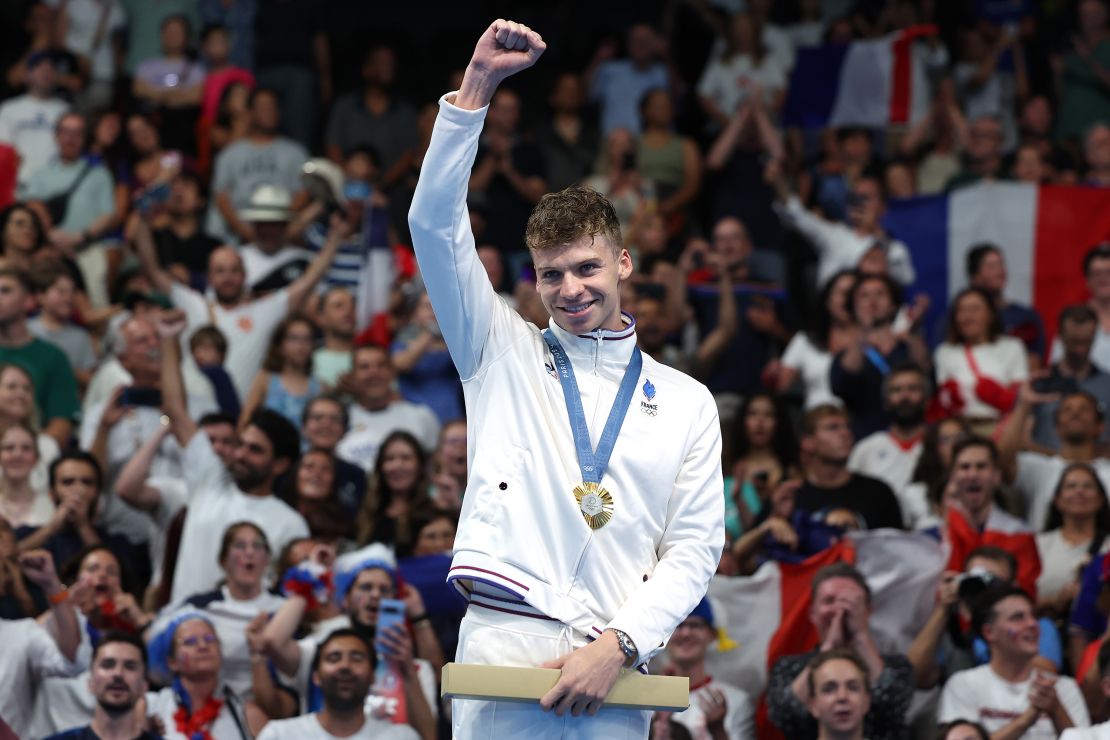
(571,558)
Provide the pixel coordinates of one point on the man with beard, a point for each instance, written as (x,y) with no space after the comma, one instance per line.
(1013,696)
(344,669)
(359,589)
(378,410)
(890,455)
(830,489)
(246,323)
(117,679)
(266,448)
(1035,472)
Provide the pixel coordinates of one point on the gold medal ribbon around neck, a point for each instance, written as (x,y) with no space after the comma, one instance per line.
(595,503)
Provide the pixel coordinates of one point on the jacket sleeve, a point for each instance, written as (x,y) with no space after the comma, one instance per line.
(462,297)
(690,547)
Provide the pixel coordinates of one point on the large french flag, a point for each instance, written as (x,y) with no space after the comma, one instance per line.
(768,612)
(1043,231)
(873,83)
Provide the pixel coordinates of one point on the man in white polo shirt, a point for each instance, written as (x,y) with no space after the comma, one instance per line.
(593,517)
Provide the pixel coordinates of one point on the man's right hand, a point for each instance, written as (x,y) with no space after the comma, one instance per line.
(170,323)
(503,50)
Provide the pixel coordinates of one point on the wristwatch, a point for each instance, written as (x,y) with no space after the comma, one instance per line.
(627,646)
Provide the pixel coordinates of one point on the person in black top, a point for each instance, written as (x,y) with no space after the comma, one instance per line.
(182,247)
(117,678)
(830,491)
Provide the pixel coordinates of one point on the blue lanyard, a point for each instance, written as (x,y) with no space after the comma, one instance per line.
(593,463)
(877,360)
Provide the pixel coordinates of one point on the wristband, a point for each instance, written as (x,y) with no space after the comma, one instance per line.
(58,598)
(420,618)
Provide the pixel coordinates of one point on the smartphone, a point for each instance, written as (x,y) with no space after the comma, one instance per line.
(152,197)
(135,396)
(390,612)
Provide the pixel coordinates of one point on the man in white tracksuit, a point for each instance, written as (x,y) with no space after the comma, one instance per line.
(593,516)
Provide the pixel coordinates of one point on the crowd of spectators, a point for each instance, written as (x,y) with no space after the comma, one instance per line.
(231,434)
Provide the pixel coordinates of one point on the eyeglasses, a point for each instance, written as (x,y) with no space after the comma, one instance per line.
(194,640)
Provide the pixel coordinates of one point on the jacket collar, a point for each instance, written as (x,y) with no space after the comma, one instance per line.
(605,345)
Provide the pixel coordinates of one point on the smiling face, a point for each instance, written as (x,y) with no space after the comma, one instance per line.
(323,425)
(435,537)
(1014,630)
(16,394)
(689,643)
(579,284)
(18,453)
(973,318)
(1078,495)
(400,465)
(345,672)
(315,476)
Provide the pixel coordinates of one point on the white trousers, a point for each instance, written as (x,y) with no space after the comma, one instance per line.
(488,637)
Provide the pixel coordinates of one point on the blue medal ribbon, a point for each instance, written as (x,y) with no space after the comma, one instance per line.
(592,462)
(877,360)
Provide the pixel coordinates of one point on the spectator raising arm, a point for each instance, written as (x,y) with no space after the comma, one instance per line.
(338,232)
(138,233)
(38,566)
(170,324)
(131,483)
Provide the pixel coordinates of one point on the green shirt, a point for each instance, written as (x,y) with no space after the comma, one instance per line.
(55,385)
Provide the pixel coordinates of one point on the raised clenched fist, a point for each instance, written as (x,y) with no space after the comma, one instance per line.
(506,48)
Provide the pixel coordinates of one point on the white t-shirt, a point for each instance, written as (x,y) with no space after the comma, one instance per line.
(138,424)
(880,456)
(173,497)
(369,428)
(81,34)
(163,704)
(980,695)
(1036,480)
(27,123)
(1060,562)
(1097,732)
(917,511)
(230,619)
(329,364)
(48,453)
(29,655)
(307,727)
(247,327)
(376,706)
(812,364)
(1003,360)
(739,714)
(722,79)
(215,502)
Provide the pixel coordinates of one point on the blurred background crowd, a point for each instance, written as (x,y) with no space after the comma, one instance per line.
(229,424)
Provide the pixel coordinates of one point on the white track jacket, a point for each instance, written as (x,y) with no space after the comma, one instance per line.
(521,529)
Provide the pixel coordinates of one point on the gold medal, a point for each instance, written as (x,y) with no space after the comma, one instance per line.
(595,503)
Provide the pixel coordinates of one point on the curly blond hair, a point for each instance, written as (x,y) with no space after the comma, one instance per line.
(561,218)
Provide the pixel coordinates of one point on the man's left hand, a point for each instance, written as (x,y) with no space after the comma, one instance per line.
(588,674)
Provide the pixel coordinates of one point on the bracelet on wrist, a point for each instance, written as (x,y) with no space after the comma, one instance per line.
(58,598)
(420,618)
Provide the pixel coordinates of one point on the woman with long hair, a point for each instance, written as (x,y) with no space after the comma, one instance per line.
(244,557)
(21,234)
(25,508)
(313,490)
(1077,530)
(978,368)
(926,496)
(809,354)
(746,69)
(671,161)
(285,383)
(766,453)
(397,494)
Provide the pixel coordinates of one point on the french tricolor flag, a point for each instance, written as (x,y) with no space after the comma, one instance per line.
(1043,231)
(873,83)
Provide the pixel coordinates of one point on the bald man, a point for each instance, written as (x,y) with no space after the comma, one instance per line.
(247,323)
